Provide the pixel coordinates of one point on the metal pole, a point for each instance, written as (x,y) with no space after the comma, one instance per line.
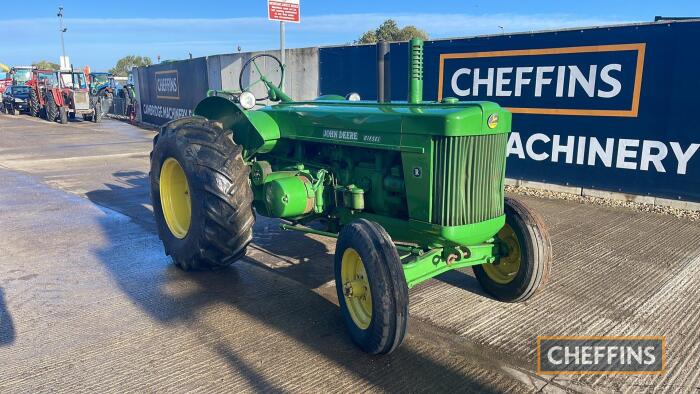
(62,30)
(282,54)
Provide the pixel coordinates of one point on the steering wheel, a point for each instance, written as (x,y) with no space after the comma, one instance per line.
(252,74)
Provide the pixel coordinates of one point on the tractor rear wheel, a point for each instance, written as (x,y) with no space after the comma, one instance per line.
(33,103)
(371,287)
(201,197)
(526,260)
(51,108)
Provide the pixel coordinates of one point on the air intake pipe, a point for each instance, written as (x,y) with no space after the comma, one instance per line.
(415,71)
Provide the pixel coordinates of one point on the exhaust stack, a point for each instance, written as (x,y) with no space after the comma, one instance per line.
(383,72)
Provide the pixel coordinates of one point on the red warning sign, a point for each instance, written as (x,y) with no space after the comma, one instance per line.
(283,10)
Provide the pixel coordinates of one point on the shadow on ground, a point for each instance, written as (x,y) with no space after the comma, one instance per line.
(7,328)
(283,306)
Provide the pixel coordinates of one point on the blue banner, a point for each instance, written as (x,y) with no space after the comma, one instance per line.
(611,108)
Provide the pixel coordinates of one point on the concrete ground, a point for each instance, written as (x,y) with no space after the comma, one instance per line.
(89,302)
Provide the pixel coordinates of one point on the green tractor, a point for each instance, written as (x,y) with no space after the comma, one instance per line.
(409,189)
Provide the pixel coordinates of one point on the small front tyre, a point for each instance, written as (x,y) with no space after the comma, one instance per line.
(52,113)
(97,116)
(62,115)
(371,287)
(34,108)
(525,256)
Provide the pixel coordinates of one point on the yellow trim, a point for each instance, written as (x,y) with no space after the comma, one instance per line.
(175,198)
(594,337)
(358,297)
(632,112)
(506,268)
(4,68)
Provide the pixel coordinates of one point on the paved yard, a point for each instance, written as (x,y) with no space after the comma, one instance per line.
(88,301)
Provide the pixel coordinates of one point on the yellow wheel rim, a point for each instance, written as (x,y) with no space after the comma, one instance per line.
(358,297)
(507,266)
(175,198)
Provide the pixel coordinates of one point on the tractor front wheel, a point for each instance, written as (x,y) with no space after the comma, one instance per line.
(51,108)
(524,256)
(97,116)
(33,103)
(63,115)
(371,287)
(201,197)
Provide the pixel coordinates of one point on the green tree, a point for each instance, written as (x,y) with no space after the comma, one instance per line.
(389,31)
(125,64)
(46,65)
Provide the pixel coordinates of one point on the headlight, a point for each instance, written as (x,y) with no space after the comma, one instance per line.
(492,121)
(353,97)
(247,100)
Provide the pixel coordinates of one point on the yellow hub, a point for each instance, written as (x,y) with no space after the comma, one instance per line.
(175,198)
(505,269)
(358,297)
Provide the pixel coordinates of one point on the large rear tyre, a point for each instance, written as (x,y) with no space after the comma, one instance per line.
(33,103)
(371,287)
(526,256)
(201,197)
(51,108)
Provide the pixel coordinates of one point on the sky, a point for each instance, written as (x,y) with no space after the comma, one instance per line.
(99,33)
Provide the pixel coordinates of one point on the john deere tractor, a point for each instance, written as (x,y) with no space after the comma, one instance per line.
(409,189)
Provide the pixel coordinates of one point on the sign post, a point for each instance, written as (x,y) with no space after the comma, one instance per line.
(283,11)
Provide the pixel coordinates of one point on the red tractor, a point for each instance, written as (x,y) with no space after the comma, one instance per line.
(42,83)
(72,98)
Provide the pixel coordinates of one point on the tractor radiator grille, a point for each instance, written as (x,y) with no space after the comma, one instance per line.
(82,100)
(469,177)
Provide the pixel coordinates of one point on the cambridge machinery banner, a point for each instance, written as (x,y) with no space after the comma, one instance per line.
(171,90)
(612,108)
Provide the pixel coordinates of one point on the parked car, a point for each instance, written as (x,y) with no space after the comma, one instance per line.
(15,99)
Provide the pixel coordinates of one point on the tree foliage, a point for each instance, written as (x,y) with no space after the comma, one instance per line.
(46,65)
(125,64)
(389,31)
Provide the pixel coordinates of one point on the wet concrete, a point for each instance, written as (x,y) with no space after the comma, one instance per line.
(88,301)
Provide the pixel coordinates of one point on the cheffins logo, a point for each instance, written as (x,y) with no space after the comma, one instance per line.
(602,80)
(167,85)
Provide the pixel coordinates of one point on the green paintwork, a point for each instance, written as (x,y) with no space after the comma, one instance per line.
(415,71)
(432,263)
(289,196)
(431,174)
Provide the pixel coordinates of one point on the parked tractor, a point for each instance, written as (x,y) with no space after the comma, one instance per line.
(409,189)
(6,80)
(42,84)
(74,99)
(21,74)
(102,88)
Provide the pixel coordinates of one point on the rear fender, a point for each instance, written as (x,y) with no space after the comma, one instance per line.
(58,97)
(256,131)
